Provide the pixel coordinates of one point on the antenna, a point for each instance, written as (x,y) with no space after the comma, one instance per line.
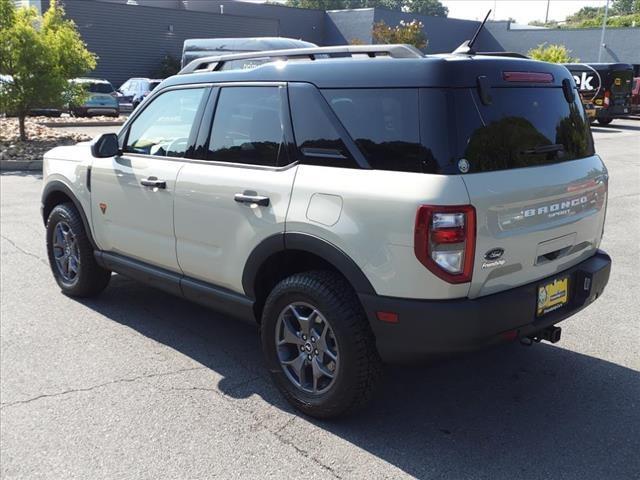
(467,46)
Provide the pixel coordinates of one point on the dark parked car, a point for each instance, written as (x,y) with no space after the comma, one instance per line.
(607,85)
(101,99)
(134,90)
(635,96)
(6,82)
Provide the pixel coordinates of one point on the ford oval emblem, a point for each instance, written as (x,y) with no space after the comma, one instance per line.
(494,254)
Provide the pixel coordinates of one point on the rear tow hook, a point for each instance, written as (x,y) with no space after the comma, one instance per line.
(550,334)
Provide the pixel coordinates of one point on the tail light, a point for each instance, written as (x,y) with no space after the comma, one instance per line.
(444,241)
(606,98)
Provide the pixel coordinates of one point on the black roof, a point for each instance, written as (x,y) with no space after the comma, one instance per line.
(600,66)
(428,71)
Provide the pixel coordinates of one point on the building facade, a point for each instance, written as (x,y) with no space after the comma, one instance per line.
(131,37)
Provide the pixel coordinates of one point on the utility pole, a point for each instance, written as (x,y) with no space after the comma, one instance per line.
(546,16)
(604,27)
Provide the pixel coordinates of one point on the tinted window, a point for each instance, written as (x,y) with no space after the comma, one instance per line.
(621,81)
(384,123)
(318,140)
(164,126)
(247,127)
(522,127)
(100,88)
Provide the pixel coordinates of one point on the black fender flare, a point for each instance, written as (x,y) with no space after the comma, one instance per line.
(57,186)
(304,242)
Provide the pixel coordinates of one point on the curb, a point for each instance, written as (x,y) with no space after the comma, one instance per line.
(81,124)
(20,165)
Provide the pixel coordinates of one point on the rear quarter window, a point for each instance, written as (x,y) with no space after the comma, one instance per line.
(384,123)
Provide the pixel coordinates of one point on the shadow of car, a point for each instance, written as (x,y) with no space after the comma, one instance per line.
(504,413)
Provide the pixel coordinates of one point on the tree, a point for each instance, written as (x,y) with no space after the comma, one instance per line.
(405,32)
(40,54)
(318,4)
(424,7)
(169,65)
(552,54)
(427,7)
(625,7)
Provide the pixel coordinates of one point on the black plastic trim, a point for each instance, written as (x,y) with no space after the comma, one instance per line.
(332,254)
(221,299)
(57,186)
(268,247)
(303,242)
(439,327)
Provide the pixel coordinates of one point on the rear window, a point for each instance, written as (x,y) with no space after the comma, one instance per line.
(621,81)
(100,88)
(522,127)
(384,123)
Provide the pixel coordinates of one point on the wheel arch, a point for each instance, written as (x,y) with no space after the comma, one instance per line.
(55,193)
(284,254)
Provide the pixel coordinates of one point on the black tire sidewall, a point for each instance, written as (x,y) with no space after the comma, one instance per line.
(342,389)
(62,213)
(91,278)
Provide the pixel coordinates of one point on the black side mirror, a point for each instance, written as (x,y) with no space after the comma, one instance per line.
(106,145)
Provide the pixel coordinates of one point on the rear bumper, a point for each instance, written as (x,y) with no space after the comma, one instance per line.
(432,327)
(97,110)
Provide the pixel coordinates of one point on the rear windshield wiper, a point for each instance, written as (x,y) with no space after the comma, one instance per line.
(556,147)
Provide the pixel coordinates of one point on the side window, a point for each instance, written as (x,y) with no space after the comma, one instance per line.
(317,139)
(384,123)
(164,126)
(248,126)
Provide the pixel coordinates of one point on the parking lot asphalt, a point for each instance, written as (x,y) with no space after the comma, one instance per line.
(138,384)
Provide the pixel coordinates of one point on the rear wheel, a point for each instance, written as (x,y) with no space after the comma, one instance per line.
(318,345)
(71,254)
(605,120)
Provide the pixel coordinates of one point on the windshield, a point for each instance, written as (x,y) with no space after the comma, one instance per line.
(99,87)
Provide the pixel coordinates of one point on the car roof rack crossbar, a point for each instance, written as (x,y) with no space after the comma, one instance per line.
(213,63)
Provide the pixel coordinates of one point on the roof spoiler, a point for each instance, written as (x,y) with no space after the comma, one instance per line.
(394,51)
(467,46)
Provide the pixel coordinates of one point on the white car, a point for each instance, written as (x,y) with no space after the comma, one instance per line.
(360,204)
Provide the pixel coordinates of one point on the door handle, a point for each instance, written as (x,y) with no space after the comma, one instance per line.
(153,182)
(257,199)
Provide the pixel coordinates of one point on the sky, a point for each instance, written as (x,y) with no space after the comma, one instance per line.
(523,11)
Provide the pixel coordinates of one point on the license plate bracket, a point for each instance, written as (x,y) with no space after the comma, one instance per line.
(552,295)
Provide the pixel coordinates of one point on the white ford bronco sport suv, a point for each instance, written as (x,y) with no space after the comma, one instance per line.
(362,205)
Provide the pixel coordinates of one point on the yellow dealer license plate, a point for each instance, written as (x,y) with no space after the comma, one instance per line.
(553,295)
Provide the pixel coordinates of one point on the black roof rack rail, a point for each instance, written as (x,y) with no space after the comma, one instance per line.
(213,63)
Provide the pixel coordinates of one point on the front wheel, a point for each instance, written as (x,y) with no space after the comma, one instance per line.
(318,345)
(605,120)
(71,254)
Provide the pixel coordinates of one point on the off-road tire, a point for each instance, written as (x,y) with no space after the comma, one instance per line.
(91,278)
(360,367)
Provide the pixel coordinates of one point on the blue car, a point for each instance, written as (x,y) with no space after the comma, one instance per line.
(101,99)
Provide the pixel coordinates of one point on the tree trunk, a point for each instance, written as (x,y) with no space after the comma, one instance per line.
(23,131)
